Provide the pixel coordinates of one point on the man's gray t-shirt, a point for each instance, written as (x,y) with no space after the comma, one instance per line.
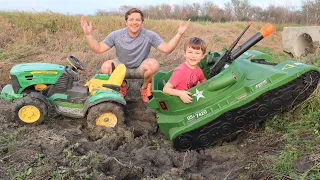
(131,51)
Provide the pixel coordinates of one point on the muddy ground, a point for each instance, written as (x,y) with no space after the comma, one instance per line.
(63,148)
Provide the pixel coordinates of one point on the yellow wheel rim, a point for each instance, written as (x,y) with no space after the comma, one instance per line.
(29,114)
(107,120)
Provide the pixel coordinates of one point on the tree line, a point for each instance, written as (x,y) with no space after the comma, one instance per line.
(235,10)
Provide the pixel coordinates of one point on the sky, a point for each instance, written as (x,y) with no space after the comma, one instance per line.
(90,7)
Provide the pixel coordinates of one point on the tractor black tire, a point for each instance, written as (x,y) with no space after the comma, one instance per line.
(106,107)
(31,102)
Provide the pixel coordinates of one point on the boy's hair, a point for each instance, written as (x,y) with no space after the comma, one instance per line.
(195,43)
(133,10)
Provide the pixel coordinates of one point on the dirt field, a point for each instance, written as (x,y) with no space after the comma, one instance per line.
(62,148)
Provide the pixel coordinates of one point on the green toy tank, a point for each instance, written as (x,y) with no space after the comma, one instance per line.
(242,88)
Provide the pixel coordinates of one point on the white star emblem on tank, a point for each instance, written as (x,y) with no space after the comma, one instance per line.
(198,94)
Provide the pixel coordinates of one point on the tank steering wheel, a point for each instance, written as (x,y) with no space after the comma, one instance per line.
(74,62)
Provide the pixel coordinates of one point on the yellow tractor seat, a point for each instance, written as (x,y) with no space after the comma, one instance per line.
(114,82)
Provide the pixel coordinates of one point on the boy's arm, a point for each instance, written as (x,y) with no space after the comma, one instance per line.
(202,77)
(203,80)
(184,95)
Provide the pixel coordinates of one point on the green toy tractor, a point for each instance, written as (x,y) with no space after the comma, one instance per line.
(243,88)
(43,89)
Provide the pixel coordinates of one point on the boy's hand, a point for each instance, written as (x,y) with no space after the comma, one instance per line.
(185,96)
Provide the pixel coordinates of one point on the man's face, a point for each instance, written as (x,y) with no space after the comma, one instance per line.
(134,23)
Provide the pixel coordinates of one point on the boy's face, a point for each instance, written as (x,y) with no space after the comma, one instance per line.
(193,56)
(134,23)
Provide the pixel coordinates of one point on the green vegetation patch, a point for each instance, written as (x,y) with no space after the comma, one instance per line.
(276,57)
(300,128)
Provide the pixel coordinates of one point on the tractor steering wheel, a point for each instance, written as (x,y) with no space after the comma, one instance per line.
(74,62)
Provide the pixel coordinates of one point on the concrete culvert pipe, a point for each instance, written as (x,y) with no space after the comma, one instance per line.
(301,41)
(303,45)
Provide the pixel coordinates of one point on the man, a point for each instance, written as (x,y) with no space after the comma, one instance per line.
(133,44)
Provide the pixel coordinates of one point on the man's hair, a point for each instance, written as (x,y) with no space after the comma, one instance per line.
(195,43)
(133,10)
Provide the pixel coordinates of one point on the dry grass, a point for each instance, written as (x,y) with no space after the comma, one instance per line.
(51,37)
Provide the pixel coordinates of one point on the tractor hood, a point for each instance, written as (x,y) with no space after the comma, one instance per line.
(28,74)
(37,68)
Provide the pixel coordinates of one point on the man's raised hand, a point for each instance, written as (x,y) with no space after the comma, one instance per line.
(183,27)
(85,27)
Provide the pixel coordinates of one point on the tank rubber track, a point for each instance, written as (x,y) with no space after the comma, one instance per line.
(269,103)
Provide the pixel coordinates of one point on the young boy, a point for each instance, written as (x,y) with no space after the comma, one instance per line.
(188,74)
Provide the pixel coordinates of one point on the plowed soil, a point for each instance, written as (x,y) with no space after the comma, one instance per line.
(64,148)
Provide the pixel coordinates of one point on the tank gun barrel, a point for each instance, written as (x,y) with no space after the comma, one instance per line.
(230,55)
(226,57)
(265,31)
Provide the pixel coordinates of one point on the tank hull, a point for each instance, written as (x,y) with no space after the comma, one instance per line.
(216,113)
